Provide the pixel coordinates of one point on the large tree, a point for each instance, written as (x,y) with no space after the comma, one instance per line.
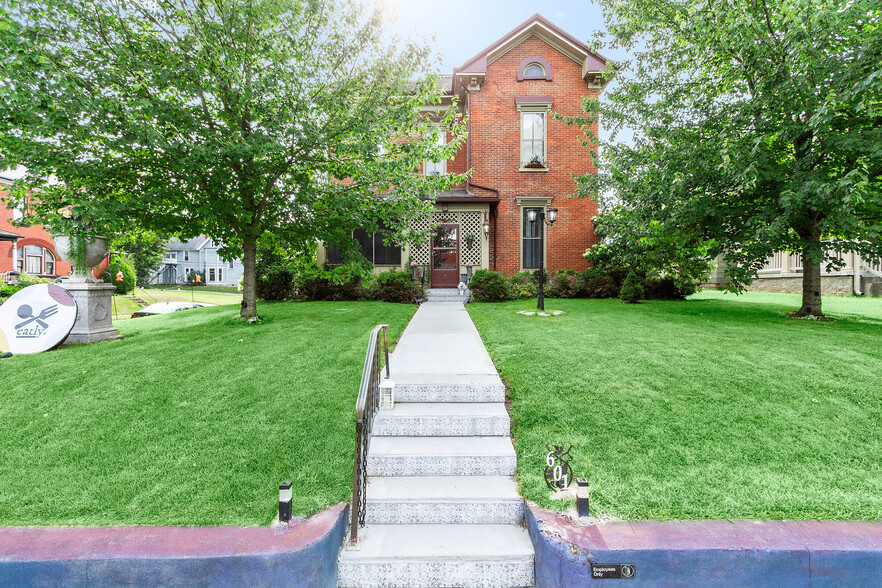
(230,118)
(757,127)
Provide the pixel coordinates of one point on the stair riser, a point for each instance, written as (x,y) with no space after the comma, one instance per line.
(449,393)
(441,426)
(441,466)
(429,573)
(387,512)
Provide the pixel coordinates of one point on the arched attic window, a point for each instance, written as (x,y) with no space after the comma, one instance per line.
(534,68)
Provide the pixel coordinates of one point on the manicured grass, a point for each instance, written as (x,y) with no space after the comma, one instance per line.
(123,307)
(203,288)
(715,407)
(193,419)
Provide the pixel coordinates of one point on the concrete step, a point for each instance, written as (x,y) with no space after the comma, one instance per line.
(441,456)
(404,500)
(466,556)
(443,419)
(410,387)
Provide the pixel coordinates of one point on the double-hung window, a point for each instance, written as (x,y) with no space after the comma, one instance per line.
(531,239)
(432,168)
(534,132)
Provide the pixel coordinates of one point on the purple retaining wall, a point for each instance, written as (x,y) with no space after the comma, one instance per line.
(303,554)
(777,554)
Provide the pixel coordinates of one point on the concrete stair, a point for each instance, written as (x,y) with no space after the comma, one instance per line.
(447,295)
(442,508)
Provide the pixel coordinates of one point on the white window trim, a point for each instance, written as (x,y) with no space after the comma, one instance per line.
(538,106)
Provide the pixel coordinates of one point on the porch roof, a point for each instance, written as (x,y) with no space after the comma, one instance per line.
(7,236)
(463,196)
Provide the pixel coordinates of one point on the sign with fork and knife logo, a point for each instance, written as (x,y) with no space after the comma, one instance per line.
(35,319)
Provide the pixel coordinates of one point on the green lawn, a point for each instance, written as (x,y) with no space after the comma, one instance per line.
(193,419)
(716,407)
(123,307)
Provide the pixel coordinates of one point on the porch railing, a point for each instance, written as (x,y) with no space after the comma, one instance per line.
(366,407)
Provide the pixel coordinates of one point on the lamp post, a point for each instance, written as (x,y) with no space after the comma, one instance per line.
(532,215)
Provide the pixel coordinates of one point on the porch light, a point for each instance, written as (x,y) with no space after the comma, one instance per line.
(486,228)
(443,207)
(285,502)
(552,215)
(531,215)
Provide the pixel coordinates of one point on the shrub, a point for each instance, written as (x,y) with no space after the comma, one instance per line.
(489,286)
(632,290)
(275,282)
(7,290)
(602,283)
(523,285)
(121,263)
(667,288)
(392,286)
(339,283)
(565,284)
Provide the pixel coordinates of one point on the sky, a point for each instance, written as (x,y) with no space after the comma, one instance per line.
(463,28)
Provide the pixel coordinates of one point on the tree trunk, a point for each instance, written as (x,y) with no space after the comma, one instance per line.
(811,278)
(249,281)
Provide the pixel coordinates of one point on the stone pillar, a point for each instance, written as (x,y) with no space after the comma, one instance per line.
(94,314)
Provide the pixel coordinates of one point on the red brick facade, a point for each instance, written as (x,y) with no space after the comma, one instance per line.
(493,148)
(33,235)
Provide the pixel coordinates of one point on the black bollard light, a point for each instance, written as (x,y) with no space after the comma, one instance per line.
(285,502)
(582,497)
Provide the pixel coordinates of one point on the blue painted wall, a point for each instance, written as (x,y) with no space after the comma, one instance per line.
(312,566)
(560,564)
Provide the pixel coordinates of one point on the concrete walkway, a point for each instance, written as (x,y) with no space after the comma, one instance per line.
(442,508)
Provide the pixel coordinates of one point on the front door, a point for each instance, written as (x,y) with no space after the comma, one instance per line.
(445,257)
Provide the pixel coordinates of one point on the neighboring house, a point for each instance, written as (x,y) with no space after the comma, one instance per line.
(184,259)
(25,248)
(521,156)
(783,273)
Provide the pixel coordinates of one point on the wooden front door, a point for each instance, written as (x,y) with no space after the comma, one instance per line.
(445,257)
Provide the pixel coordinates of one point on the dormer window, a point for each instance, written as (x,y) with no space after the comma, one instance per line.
(534,68)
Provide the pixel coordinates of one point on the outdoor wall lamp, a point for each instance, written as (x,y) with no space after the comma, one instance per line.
(285,502)
(545,217)
(443,207)
(486,228)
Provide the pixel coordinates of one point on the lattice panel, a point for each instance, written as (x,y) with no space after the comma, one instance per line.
(470,223)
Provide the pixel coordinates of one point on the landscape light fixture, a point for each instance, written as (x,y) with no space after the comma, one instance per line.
(284,502)
(582,497)
(545,217)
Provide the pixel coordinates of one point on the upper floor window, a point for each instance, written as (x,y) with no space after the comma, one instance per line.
(186,256)
(534,132)
(431,168)
(533,140)
(35,260)
(534,68)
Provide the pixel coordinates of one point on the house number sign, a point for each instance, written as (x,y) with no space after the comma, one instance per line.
(557,467)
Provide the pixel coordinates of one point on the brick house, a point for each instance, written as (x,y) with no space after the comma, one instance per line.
(521,158)
(30,249)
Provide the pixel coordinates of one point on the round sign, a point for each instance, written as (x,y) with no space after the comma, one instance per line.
(36,318)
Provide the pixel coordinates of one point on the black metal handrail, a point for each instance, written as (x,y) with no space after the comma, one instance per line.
(365,408)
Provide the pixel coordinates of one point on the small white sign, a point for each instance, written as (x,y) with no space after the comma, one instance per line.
(36,318)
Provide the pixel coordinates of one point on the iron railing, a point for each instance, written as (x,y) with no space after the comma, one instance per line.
(366,407)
